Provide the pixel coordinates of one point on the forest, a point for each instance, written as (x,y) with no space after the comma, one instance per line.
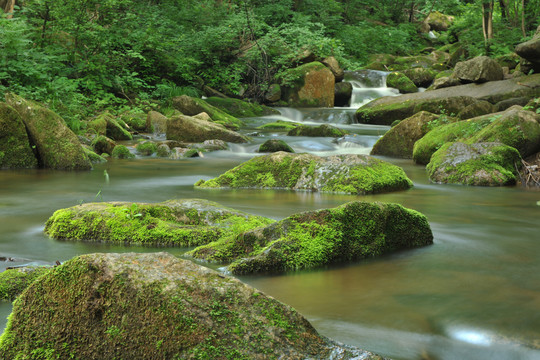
(82,57)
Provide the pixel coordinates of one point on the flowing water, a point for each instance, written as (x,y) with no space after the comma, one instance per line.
(473,294)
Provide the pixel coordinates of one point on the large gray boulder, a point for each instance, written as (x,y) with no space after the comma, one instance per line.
(530,50)
(387,109)
(155,306)
(478,70)
(15,148)
(190,129)
(56,145)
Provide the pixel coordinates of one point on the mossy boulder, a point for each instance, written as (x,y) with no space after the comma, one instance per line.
(478,70)
(92,156)
(438,21)
(13,281)
(190,129)
(399,140)
(155,306)
(239,108)
(274,145)
(115,128)
(480,164)
(309,85)
(315,239)
(97,126)
(514,127)
(191,106)
(163,151)
(15,147)
(146,148)
(103,144)
(122,152)
(401,82)
(421,77)
(437,137)
(156,122)
(477,108)
(351,174)
(56,145)
(135,120)
(279,125)
(273,93)
(323,130)
(186,222)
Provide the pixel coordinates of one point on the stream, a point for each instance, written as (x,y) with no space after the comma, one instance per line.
(473,294)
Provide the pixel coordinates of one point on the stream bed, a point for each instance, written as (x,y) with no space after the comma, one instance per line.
(473,294)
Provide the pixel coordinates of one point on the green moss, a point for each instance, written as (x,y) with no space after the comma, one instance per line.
(14,281)
(279,125)
(385,114)
(15,147)
(121,152)
(93,157)
(324,130)
(219,116)
(495,167)
(91,307)
(135,121)
(146,148)
(353,231)
(434,139)
(401,82)
(274,145)
(174,223)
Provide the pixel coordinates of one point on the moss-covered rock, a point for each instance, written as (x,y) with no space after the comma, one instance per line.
(479,70)
(399,140)
(514,127)
(274,145)
(481,164)
(156,122)
(146,148)
(187,222)
(239,108)
(121,152)
(14,281)
(135,120)
(309,85)
(93,157)
(438,21)
(351,174)
(323,130)
(478,108)
(314,239)
(421,77)
(401,82)
(56,145)
(436,138)
(190,129)
(114,128)
(97,126)
(342,93)
(163,151)
(279,125)
(103,144)
(155,306)
(15,148)
(191,106)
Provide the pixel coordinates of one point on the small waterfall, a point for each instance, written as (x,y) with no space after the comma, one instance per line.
(368,85)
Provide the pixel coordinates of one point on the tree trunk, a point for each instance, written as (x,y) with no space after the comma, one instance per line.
(9,7)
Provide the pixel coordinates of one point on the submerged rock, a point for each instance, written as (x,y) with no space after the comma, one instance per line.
(56,145)
(187,222)
(481,164)
(190,129)
(352,174)
(314,239)
(155,306)
(15,148)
